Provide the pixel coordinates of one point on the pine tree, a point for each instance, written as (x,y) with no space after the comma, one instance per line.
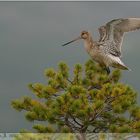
(87,100)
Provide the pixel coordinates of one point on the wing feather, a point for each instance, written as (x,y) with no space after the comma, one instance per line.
(114,30)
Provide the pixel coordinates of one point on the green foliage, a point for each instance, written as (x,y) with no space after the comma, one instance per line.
(90,101)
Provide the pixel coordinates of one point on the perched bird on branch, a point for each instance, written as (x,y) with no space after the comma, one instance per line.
(107,51)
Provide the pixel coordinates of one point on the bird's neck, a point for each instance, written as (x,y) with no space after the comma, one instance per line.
(89,44)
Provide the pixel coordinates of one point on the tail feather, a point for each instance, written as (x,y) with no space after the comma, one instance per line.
(117,63)
(121,66)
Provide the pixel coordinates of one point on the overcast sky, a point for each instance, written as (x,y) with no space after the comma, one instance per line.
(31,35)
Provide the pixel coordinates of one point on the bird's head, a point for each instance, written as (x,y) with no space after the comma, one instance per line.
(84,35)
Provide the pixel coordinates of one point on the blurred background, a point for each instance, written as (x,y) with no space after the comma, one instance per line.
(31,35)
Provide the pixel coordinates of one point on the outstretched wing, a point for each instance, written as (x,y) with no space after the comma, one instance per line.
(114,30)
(103,33)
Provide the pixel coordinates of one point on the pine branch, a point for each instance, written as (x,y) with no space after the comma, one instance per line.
(70,81)
(74,119)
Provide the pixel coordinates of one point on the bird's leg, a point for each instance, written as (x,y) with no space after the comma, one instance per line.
(107,70)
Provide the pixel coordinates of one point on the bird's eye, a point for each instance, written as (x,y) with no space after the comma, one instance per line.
(83,33)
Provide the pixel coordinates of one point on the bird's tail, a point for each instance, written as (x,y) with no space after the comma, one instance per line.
(121,65)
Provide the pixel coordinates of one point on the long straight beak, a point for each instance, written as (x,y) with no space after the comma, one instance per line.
(72,41)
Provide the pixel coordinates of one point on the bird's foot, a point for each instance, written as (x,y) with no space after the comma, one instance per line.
(107,70)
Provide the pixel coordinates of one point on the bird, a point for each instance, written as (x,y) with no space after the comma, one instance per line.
(107,50)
